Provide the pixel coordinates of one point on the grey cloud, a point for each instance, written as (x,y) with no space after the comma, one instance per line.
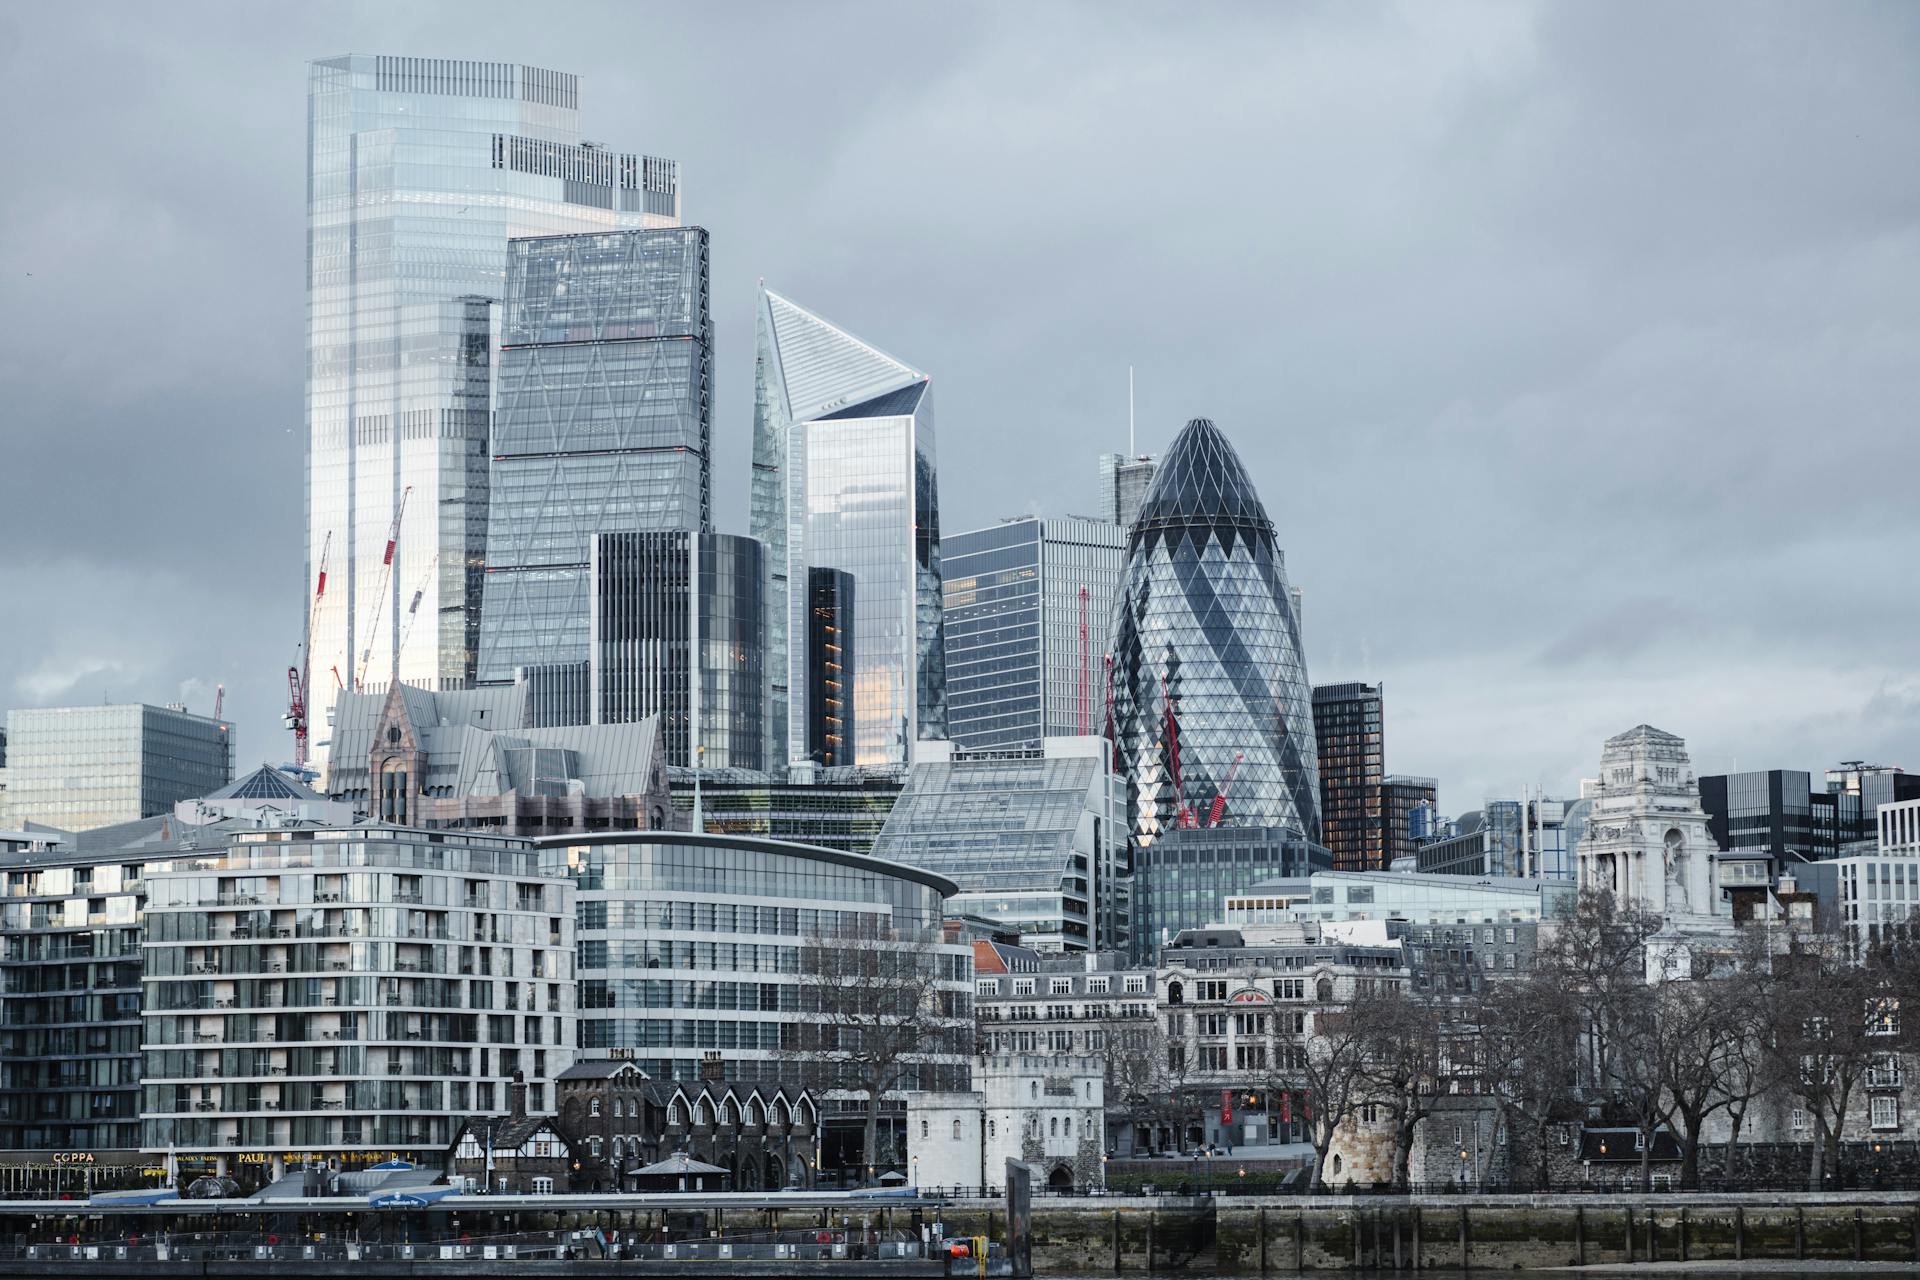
(1596,306)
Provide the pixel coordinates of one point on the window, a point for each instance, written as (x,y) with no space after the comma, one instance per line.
(1213,1057)
(1060,1042)
(543,1186)
(1885,1111)
(593,1107)
(1883,1017)
(993,1130)
(924,1132)
(593,1146)
(1023,986)
(1053,1126)
(1059,986)
(1213,989)
(1136,984)
(1096,986)
(956,1130)
(1510,933)
(1802,1121)
(986,986)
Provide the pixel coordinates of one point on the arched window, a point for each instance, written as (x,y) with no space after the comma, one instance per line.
(1066,1127)
(593,1146)
(1176,994)
(1035,1086)
(619,1108)
(1053,1126)
(593,1108)
(923,1130)
(700,1113)
(956,1130)
(1323,992)
(993,1130)
(676,1112)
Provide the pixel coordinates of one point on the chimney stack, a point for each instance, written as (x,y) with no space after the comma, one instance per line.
(517,1094)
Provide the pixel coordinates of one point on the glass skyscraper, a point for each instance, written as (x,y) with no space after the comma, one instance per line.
(844,463)
(1028,619)
(1348,728)
(1035,839)
(419,171)
(645,626)
(601,425)
(1213,721)
(76,768)
(1124,481)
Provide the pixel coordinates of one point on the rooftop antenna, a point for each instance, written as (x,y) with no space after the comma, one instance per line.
(1130,449)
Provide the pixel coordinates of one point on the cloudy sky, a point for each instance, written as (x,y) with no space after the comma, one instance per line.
(1574,348)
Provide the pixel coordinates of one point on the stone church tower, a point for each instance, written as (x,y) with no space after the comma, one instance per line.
(1646,836)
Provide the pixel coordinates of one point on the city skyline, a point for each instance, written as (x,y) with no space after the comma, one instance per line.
(1583,484)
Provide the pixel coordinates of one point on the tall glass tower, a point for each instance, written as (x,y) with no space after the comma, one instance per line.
(601,426)
(1029,611)
(1213,715)
(419,170)
(844,463)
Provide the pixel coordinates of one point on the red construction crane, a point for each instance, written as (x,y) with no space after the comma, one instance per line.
(380,592)
(1183,815)
(1218,809)
(297,677)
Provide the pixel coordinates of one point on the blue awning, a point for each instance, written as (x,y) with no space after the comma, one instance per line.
(134,1197)
(410,1198)
(389,1166)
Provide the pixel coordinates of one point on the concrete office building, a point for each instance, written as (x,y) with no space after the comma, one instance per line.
(1124,481)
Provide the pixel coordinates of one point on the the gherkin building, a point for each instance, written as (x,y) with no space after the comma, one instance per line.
(1212,710)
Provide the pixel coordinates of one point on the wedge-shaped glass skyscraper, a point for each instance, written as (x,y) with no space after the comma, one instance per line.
(419,170)
(1213,715)
(601,425)
(844,479)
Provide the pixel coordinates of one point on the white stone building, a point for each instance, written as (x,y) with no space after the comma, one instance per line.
(1646,836)
(1048,1110)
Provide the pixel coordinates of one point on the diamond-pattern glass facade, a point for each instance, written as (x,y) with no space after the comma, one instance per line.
(602,425)
(1208,668)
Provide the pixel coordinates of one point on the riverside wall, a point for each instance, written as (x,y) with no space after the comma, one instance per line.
(1249,1235)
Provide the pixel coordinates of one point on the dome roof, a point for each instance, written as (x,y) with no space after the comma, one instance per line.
(1201,482)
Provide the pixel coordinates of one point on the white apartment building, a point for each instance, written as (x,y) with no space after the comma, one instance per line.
(352,993)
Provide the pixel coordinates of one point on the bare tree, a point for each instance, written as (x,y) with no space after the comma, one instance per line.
(1694,1017)
(1528,1036)
(1332,1069)
(1597,951)
(1404,1039)
(1828,1022)
(880,1009)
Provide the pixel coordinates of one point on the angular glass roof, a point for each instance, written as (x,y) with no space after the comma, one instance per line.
(821,368)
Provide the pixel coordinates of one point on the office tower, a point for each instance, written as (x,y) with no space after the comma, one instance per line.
(1183,879)
(1035,839)
(419,171)
(850,430)
(649,903)
(1647,840)
(390,1054)
(648,616)
(1213,721)
(1783,813)
(1124,481)
(829,667)
(1028,611)
(76,768)
(1348,726)
(1409,805)
(601,426)
(841,809)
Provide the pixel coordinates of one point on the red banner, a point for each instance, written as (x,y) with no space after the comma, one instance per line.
(1286,1108)
(1226,1106)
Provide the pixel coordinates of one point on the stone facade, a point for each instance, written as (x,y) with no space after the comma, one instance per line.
(1045,1109)
(1646,837)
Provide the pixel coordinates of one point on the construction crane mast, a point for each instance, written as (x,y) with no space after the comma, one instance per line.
(297,677)
(1218,809)
(380,592)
